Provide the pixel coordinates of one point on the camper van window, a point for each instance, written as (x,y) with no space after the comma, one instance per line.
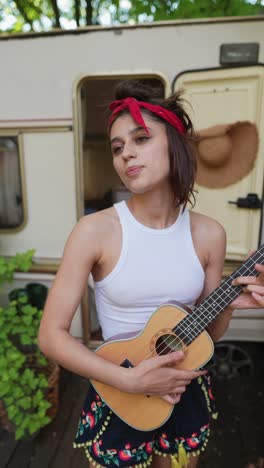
(11,207)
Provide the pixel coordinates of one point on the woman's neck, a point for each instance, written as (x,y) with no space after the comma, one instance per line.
(156,211)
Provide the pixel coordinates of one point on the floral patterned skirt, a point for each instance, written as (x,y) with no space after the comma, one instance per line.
(110,442)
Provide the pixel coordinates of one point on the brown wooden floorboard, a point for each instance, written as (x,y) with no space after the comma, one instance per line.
(7,447)
(237,436)
(225,441)
(62,457)
(79,459)
(55,440)
(22,455)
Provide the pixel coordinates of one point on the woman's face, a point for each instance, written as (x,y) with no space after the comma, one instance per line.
(141,160)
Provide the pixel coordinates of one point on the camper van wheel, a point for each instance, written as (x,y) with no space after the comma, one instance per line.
(230,361)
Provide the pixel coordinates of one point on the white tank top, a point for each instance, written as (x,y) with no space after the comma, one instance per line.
(155,267)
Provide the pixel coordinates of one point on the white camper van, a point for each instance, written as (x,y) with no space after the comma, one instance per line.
(54,157)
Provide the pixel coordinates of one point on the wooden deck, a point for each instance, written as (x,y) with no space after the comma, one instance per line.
(237,436)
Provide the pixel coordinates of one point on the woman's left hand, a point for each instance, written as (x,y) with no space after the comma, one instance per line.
(252,296)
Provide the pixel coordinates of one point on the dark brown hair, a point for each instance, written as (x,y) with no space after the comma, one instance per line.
(181,153)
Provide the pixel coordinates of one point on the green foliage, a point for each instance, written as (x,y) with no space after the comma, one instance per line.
(23,381)
(40,15)
(21,262)
(183,9)
(27,15)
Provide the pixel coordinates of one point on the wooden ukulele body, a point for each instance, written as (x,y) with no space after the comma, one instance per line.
(141,411)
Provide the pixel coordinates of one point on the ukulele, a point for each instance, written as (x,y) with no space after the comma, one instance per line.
(170,328)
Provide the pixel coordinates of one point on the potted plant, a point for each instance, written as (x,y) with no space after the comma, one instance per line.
(29,382)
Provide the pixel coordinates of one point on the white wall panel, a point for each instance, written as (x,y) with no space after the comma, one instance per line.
(51,196)
(37,74)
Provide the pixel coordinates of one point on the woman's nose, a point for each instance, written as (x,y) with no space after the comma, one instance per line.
(128,151)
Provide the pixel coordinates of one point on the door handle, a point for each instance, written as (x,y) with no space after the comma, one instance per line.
(251,201)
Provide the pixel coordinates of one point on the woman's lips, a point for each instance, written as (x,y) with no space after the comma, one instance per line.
(134,170)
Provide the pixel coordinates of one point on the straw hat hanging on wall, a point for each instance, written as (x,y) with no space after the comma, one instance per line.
(225,153)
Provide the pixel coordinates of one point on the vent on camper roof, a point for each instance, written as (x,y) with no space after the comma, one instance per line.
(239,54)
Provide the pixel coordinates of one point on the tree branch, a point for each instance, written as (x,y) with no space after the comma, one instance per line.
(56,13)
(226,5)
(77,11)
(22,11)
(89,12)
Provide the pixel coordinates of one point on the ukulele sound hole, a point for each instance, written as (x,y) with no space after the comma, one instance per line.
(167,344)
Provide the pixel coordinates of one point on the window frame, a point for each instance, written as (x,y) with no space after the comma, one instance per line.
(15,133)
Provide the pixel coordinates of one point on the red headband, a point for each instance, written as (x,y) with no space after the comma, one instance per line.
(133,105)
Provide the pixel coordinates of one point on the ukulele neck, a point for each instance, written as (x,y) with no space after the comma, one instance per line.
(206,312)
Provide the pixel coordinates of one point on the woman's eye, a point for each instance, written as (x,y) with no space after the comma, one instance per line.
(141,139)
(116,149)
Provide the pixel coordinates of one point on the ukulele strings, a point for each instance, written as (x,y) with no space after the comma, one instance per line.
(180,336)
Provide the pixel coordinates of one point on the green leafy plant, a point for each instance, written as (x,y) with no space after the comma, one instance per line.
(23,368)
(8,266)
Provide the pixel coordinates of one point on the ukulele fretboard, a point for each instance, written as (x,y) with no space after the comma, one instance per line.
(203,314)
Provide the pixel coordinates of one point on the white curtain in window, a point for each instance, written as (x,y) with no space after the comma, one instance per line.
(10,186)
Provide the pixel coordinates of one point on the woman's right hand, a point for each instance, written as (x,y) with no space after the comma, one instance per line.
(159,376)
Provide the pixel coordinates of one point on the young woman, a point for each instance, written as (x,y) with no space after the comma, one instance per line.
(143,253)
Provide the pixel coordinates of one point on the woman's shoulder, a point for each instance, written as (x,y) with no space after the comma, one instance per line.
(209,237)
(206,227)
(99,222)
(93,230)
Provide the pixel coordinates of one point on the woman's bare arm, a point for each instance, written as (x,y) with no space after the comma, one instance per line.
(214,238)
(82,251)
